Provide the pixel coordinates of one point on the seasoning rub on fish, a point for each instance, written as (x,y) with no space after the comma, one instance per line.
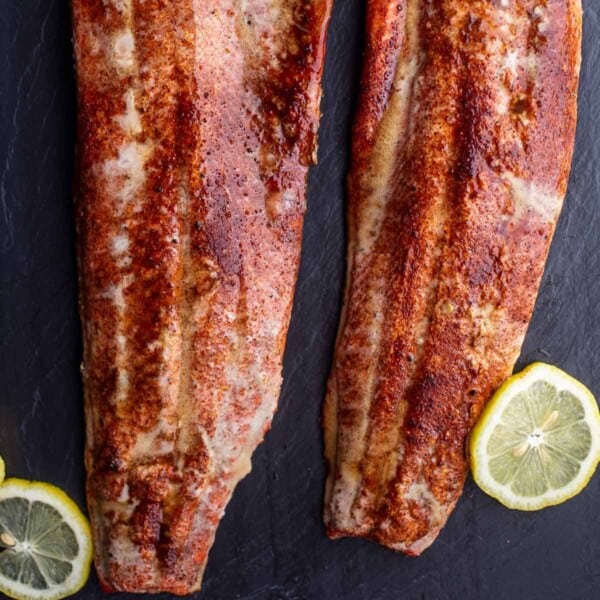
(197,124)
(461,156)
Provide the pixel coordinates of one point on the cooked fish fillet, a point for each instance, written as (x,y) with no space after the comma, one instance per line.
(197,124)
(461,156)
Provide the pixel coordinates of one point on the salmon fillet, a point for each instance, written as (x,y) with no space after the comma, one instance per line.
(197,123)
(461,154)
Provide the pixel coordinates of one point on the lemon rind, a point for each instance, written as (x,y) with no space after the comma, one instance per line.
(71,514)
(491,417)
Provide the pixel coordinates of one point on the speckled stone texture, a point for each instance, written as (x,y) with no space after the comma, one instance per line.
(271,543)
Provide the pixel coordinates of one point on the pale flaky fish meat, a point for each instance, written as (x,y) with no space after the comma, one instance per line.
(197,122)
(461,156)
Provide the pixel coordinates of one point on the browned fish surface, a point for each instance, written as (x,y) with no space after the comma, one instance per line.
(197,124)
(462,149)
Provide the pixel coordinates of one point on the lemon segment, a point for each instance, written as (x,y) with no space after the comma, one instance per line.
(45,542)
(537,442)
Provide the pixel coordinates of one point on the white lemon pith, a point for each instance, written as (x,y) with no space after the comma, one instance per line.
(537,442)
(45,542)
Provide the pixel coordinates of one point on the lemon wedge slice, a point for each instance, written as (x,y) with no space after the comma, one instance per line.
(537,442)
(45,542)
(2,470)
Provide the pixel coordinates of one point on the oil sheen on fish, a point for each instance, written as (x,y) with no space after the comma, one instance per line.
(461,155)
(197,123)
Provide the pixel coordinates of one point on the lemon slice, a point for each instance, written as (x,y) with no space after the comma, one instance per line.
(45,542)
(537,442)
(2,470)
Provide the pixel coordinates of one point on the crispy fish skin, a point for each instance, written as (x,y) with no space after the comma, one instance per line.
(197,123)
(461,155)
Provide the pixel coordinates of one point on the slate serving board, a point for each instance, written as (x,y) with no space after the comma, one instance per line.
(271,543)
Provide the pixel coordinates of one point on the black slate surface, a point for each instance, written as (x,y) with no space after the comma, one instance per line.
(271,543)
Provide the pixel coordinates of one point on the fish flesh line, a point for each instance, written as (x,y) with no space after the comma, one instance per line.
(462,147)
(197,123)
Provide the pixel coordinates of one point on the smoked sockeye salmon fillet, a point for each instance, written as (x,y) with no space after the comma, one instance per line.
(461,155)
(197,122)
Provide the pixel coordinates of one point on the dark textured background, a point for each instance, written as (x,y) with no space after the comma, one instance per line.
(271,544)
